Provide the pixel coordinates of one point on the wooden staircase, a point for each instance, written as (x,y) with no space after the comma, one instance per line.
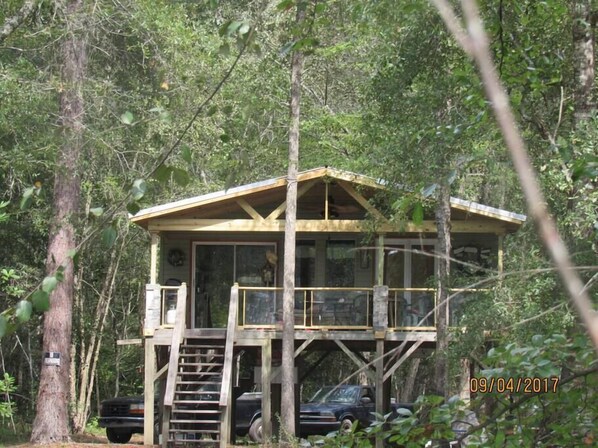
(195,414)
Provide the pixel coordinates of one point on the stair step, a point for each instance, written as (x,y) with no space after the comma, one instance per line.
(197,383)
(203,346)
(195,411)
(192,441)
(205,422)
(206,402)
(202,364)
(196,392)
(196,431)
(201,372)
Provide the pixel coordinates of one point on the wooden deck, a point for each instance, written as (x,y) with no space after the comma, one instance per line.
(253,337)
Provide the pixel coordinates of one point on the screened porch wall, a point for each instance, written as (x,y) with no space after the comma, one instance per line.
(364,269)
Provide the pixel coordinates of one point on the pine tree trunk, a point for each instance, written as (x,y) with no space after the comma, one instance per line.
(288,422)
(583,59)
(51,422)
(443,217)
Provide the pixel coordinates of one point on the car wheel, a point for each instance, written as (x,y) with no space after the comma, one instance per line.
(118,435)
(346,426)
(255,431)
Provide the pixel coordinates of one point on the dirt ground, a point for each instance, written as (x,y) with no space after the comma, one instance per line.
(89,441)
(93,441)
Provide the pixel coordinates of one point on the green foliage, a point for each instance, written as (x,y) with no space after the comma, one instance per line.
(7,387)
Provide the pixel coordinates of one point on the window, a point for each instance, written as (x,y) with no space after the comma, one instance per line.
(340,263)
(410,265)
(305,264)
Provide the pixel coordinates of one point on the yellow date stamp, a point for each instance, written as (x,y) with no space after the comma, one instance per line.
(523,385)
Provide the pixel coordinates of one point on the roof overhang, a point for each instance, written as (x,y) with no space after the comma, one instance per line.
(172,209)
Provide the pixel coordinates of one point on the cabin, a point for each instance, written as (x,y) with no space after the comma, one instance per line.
(363,283)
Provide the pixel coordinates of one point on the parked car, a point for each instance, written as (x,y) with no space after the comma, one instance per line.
(332,408)
(123,416)
(337,408)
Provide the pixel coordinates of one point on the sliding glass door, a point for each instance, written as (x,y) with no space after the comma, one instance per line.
(218,266)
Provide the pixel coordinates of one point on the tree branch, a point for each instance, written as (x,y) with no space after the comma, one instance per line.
(12,23)
(477,46)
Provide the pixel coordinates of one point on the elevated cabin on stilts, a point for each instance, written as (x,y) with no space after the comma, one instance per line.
(363,284)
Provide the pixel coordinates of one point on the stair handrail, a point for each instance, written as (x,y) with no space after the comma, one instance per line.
(227,368)
(175,344)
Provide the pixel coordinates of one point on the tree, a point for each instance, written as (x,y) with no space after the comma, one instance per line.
(443,224)
(52,418)
(288,300)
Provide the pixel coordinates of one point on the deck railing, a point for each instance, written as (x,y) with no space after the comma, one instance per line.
(409,309)
(317,308)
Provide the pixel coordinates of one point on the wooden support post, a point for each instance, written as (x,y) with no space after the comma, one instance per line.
(154,258)
(500,253)
(379,363)
(148,392)
(266,391)
(380,260)
(380,316)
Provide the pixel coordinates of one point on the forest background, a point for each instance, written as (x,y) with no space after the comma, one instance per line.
(386,91)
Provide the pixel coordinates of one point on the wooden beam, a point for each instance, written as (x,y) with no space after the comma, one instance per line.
(315,225)
(362,201)
(282,207)
(266,391)
(250,210)
(226,389)
(155,240)
(355,359)
(177,338)
(303,346)
(379,382)
(313,367)
(223,196)
(500,253)
(355,178)
(148,392)
(161,372)
(402,359)
(129,342)
(380,260)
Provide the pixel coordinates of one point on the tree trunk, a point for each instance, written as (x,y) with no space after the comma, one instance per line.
(12,23)
(583,59)
(443,224)
(288,300)
(89,357)
(407,395)
(52,417)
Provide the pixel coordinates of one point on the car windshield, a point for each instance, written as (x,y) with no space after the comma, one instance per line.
(332,394)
